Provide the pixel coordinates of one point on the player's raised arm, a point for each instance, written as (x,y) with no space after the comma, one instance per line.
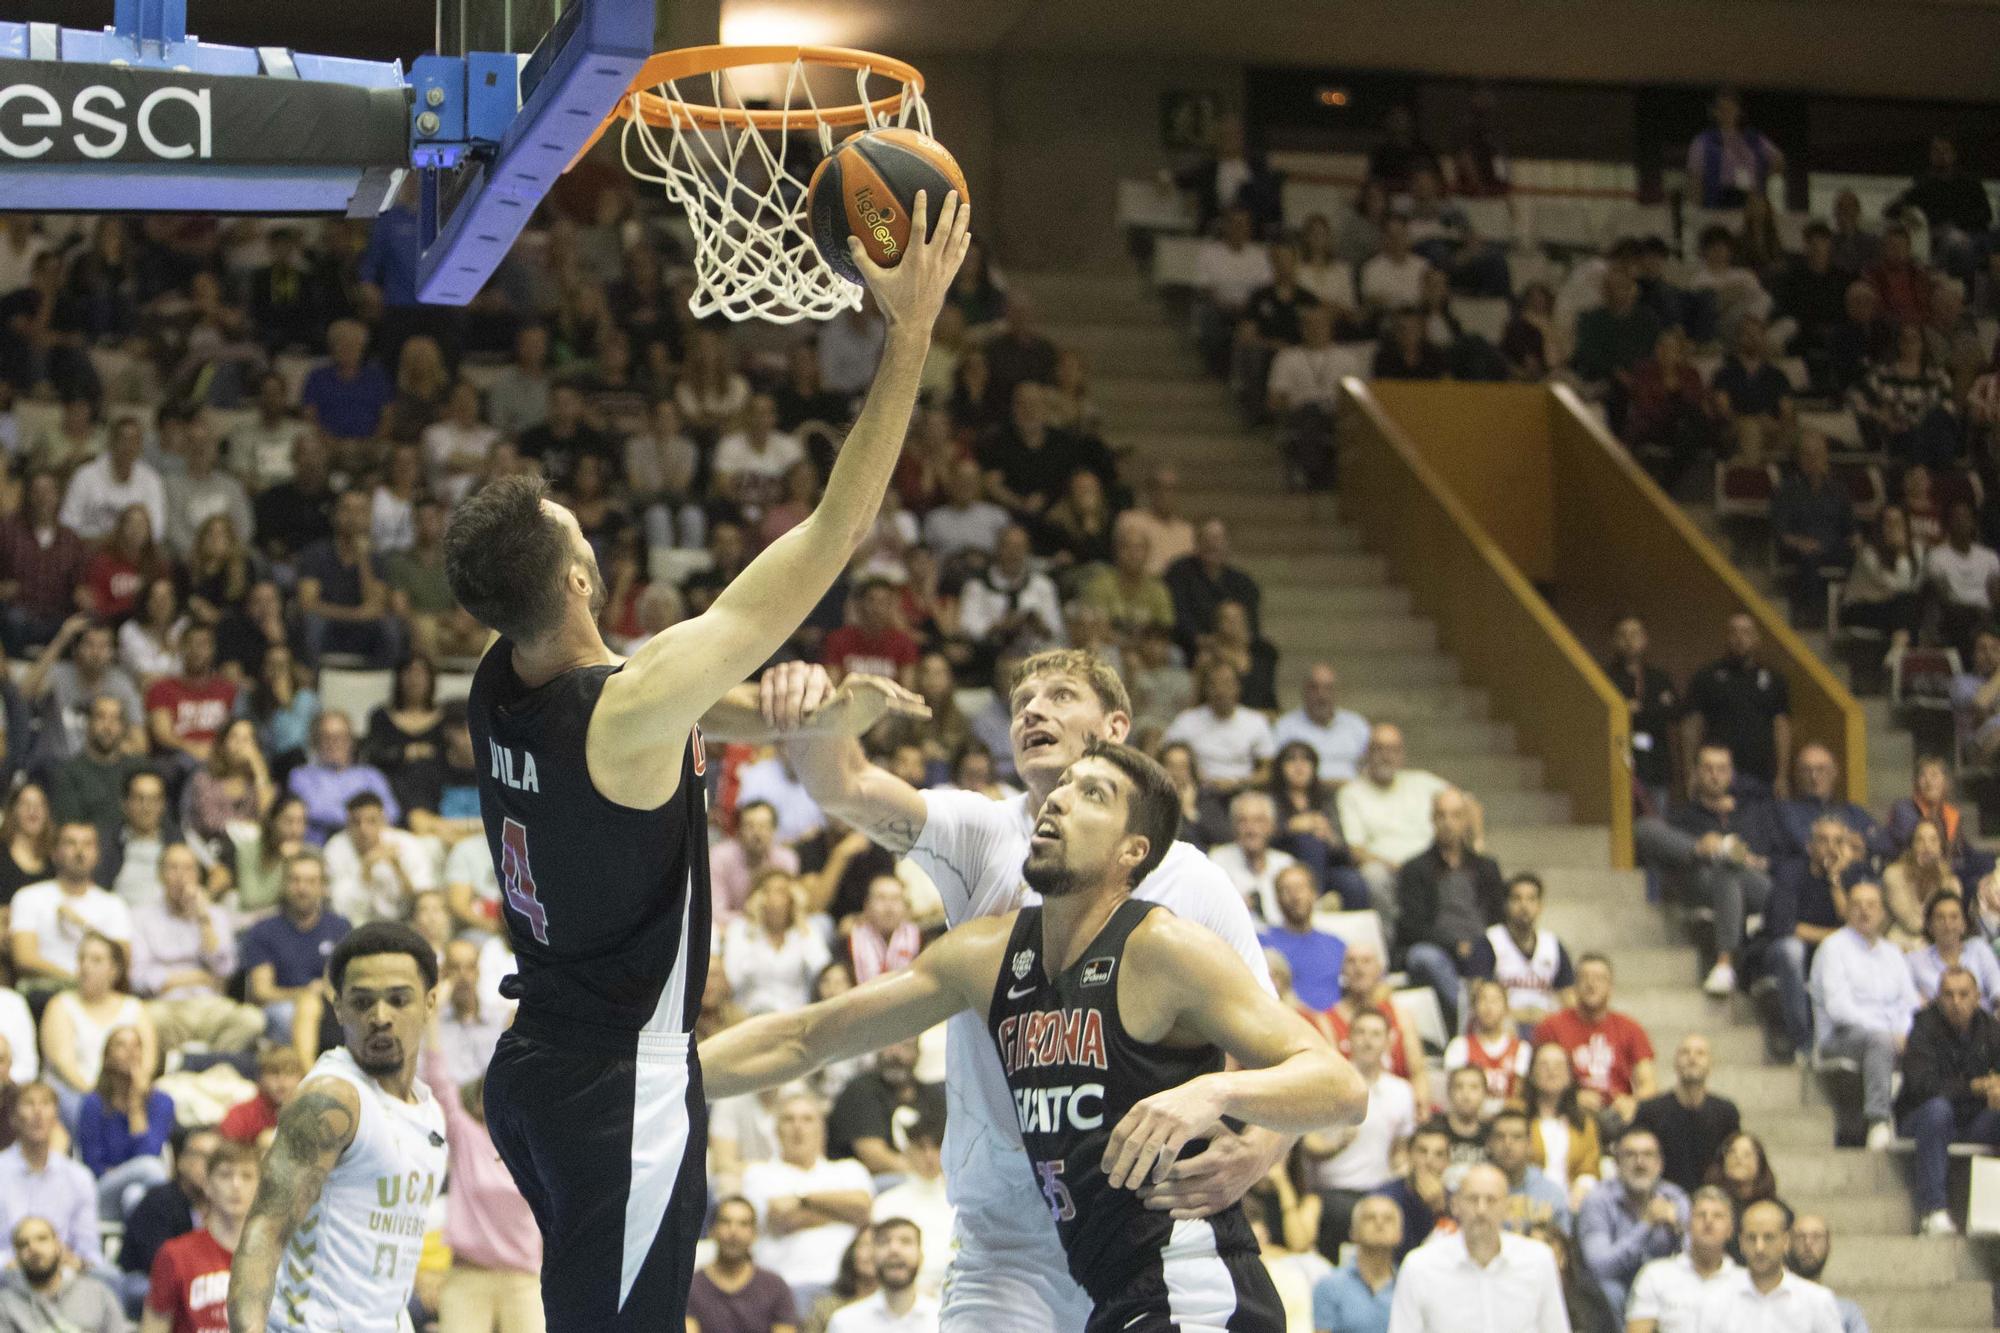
(954,973)
(1290,1080)
(671,681)
(313,1130)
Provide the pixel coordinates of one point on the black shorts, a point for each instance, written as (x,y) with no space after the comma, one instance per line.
(1231,1293)
(610,1153)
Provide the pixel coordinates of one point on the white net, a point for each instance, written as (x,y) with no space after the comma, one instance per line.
(744,189)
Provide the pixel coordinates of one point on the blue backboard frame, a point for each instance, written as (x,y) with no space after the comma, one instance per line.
(490,132)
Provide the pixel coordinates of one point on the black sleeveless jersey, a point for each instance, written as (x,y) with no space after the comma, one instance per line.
(1074,1072)
(607,907)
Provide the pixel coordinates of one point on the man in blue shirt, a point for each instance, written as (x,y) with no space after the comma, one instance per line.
(1356,1299)
(1815,796)
(346,398)
(285,953)
(1532,1198)
(1631,1220)
(1315,955)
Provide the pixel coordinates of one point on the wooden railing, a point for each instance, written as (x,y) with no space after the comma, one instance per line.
(1490,617)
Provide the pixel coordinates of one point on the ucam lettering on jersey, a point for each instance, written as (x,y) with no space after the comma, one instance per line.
(98,115)
(1050,1110)
(1042,1039)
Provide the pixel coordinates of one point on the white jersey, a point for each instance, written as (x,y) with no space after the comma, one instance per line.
(974,848)
(350,1264)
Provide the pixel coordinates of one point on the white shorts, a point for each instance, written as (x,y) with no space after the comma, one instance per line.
(1027,1290)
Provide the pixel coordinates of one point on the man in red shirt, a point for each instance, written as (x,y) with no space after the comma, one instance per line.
(874,643)
(190,1290)
(185,713)
(279,1071)
(1611,1053)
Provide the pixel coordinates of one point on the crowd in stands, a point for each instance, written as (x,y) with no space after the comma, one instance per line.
(1870,942)
(232,732)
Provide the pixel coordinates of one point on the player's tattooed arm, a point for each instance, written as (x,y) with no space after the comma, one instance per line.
(313,1130)
(836,773)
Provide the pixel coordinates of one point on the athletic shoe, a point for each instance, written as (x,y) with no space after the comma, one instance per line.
(1938,1223)
(1721,981)
(1881,1136)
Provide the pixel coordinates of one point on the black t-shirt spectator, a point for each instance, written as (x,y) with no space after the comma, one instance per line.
(1752,393)
(1428,364)
(1465,1149)
(1197,594)
(438,786)
(162,1214)
(1013,360)
(291,518)
(867,1108)
(1817,301)
(339,580)
(1689,1136)
(1276,314)
(824,405)
(1043,471)
(242,641)
(558,453)
(1738,701)
(1656,710)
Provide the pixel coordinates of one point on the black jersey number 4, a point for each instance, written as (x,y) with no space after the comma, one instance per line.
(517,876)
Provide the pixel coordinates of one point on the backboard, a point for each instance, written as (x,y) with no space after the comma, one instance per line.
(140,116)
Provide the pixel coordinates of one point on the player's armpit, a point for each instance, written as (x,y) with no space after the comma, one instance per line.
(953,974)
(313,1130)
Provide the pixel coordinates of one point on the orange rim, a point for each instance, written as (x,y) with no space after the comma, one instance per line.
(667,66)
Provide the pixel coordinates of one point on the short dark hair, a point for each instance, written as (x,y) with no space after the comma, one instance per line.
(381,937)
(1818,228)
(364,800)
(230,1153)
(1527,877)
(1585,960)
(888,1224)
(505,559)
(1154,808)
(1513,1113)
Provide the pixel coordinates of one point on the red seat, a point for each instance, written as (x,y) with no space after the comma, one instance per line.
(1745,489)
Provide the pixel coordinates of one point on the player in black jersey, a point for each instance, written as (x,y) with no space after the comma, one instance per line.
(590,787)
(1112,1018)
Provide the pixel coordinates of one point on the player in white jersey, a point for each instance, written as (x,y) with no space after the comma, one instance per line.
(1008,1273)
(332,1241)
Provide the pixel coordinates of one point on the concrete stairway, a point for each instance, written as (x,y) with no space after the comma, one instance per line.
(1326,598)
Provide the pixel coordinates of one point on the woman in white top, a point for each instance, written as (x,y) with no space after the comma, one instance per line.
(1884,589)
(77,1022)
(392,506)
(771,953)
(149,643)
(1324,273)
(1562,1138)
(457,447)
(711,394)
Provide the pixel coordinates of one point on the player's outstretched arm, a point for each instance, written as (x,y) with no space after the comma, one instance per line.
(314,1129)
(672,681)
(754,713)
(954,973)
(1290,1081)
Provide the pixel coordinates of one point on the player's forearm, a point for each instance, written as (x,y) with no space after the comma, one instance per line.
(253,1271)
(1307,1092)
(836,773)
(862,468)
(763,1052)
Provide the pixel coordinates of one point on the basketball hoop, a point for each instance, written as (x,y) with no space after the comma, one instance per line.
(741,174)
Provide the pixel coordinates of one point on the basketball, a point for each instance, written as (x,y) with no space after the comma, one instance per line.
(867,186)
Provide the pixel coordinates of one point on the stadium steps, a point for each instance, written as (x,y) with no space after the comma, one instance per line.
(1326,598)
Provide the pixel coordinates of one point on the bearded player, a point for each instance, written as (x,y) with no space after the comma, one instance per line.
(1111,1019)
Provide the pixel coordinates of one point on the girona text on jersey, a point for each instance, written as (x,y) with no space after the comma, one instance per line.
(1042,1040)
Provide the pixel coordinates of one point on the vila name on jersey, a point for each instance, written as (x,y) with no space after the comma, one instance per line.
(1071,1039)
(512,770)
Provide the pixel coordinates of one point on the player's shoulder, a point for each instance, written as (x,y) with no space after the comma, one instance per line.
(1168,940)
(1191,885)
